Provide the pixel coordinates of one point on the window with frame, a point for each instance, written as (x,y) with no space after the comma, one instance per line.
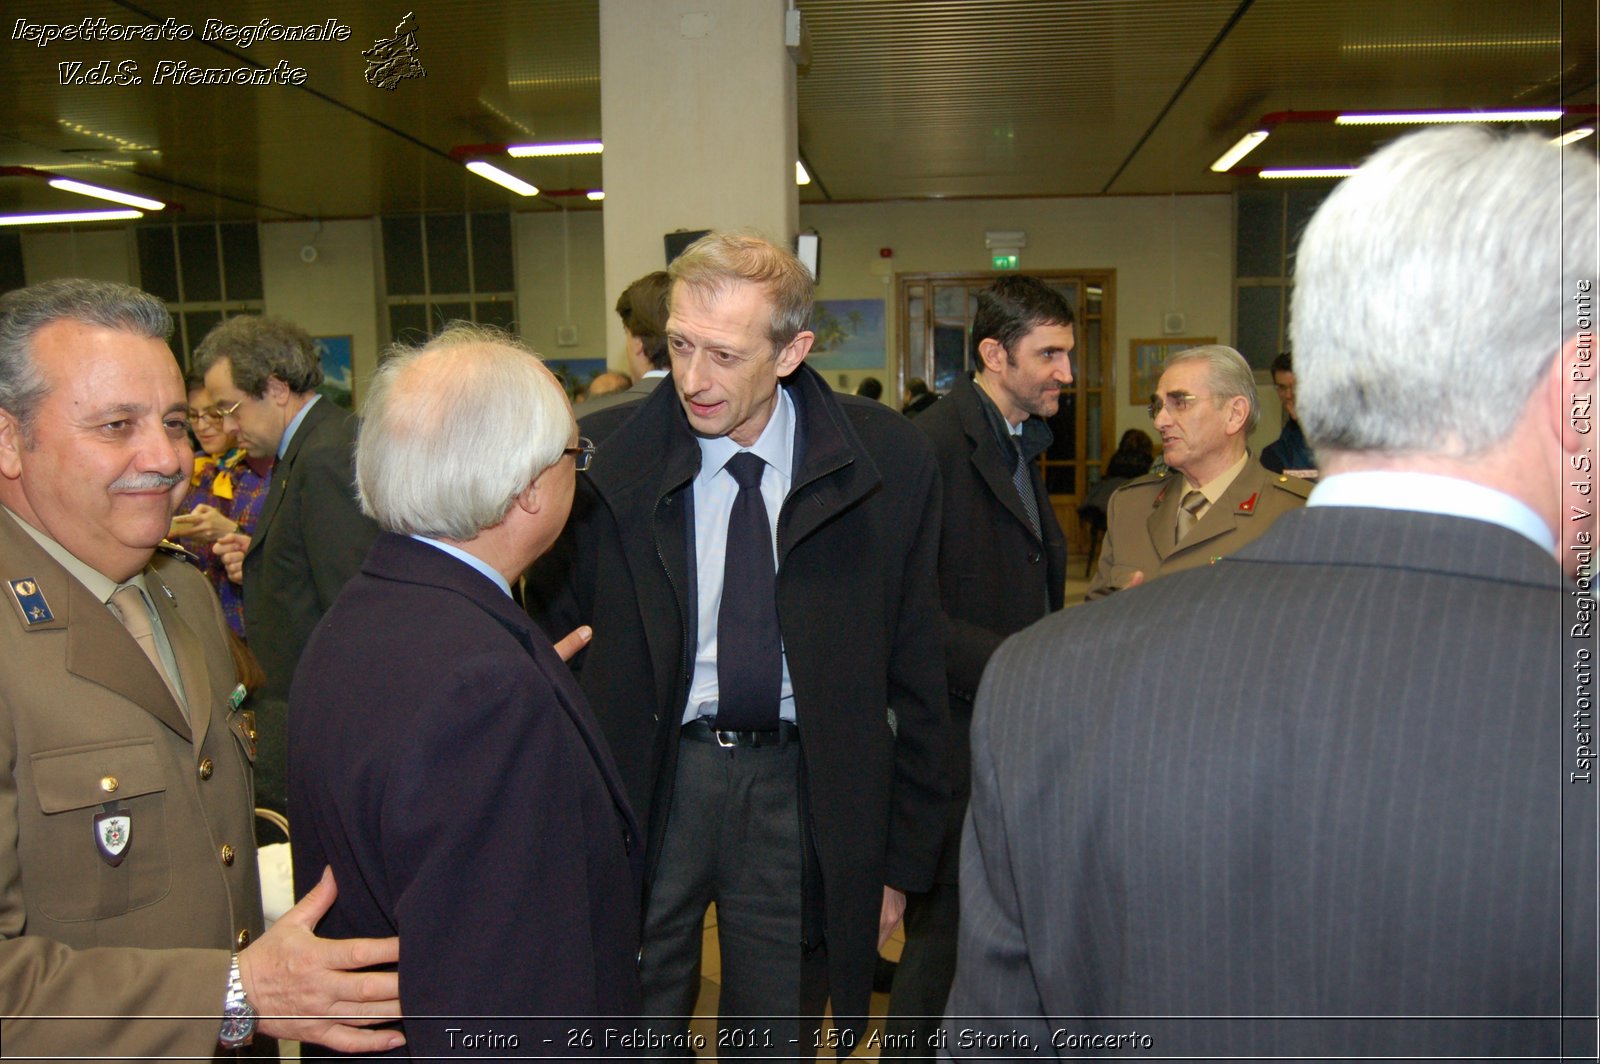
(11,271)
(204,272)
(447,267)
(1267,228)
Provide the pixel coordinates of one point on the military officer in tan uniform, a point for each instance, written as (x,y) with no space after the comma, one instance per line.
(130,914)
(1214,497)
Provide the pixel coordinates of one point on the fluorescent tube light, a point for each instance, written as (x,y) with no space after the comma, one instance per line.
(1247,144)
(1573,137)
(1453,44)
(82,189)
(63,217)
(1310,171)
(1428,117)
(529,151)
(595,194)
(503,179)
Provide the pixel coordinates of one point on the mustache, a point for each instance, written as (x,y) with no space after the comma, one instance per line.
(148,481)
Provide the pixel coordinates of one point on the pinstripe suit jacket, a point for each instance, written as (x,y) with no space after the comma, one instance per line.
(1171,820)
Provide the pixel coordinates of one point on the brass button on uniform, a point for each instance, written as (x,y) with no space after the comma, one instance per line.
(227,854)
(206,768)
(109,784)
(244,938)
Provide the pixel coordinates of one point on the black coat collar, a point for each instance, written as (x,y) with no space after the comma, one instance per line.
(831,464)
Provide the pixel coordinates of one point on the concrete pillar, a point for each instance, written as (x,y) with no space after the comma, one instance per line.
(697,111)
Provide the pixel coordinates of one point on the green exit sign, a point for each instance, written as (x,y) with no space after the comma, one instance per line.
(1007,261)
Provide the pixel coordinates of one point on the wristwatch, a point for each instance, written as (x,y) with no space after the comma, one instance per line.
(238,1015)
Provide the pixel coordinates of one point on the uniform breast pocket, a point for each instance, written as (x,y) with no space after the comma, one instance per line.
(101,845)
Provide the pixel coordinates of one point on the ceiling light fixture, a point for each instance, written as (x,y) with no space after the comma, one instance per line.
(531,151)
(125,145)
(64,217)
(1573,136)
(1247,144)
(56,167)
(1454,44)
(801,175)
(501,178)
(1309,171)
(1407,118)
(595,194)
(83,189)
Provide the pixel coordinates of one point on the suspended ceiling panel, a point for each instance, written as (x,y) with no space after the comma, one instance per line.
(900,99)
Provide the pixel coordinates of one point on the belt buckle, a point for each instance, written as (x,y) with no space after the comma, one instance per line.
(728,744)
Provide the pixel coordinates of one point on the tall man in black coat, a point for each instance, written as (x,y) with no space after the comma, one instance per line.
(808,819)
(1181,842)
(1002,566)
(311,535)
(445,763)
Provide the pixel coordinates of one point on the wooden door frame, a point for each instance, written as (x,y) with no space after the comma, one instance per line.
(1110,376)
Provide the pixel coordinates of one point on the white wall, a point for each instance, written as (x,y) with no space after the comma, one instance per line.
(676,77)
(337,294)
(1169,254)
(561,281)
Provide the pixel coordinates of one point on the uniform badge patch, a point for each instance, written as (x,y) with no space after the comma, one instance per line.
(30,600)
(113,834)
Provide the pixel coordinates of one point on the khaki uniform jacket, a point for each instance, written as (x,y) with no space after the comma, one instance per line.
(85,720)
(1142,518)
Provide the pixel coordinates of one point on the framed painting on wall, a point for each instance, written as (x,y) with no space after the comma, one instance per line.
(1146,359)
(850,335)
(338,376)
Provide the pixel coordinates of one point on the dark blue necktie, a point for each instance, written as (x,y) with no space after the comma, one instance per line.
(749,648)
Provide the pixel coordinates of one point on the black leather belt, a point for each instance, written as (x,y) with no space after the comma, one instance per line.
(703,730)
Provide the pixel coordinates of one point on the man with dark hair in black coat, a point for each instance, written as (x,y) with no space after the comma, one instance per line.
(1002,566)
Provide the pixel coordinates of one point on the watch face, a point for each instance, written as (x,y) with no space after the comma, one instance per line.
(238,1026)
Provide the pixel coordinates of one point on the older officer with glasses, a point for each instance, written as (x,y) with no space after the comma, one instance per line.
(1212,498)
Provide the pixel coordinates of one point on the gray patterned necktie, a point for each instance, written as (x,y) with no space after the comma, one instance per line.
(1024,484)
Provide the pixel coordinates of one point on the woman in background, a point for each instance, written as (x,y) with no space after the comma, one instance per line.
(226,492)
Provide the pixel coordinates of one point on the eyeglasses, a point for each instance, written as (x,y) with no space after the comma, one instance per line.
(582,454)
(210,414)
(1177,402)
(228,411)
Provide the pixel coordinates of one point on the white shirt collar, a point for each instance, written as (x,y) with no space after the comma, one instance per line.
(1430,493)
(470,559)
(294,425)
(775,445)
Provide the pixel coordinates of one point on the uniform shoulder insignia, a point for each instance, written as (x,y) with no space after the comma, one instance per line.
(30,600)
(1298,486)
(172,550)
(1146,480)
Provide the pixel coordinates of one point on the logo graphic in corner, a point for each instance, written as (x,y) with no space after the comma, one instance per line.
(113,833)
(392,59)
(30,600)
